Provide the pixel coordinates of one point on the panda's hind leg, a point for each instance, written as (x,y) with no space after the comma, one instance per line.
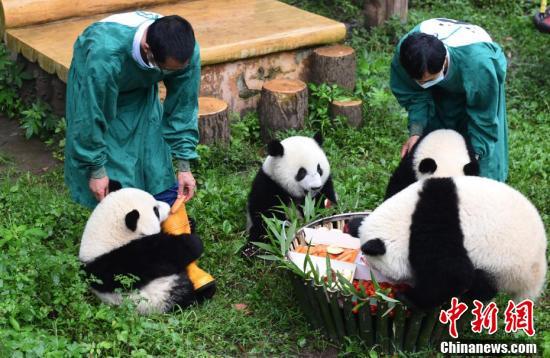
(483,287)
(182,293)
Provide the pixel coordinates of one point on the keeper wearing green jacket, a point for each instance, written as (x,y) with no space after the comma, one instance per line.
(450,74)
(117,127)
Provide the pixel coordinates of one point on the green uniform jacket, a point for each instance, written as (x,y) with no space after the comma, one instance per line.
(116,124)
(471,98)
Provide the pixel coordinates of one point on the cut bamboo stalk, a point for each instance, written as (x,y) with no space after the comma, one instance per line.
(426,329)
(412,330)
(325,312)
(337,316)
(350,318)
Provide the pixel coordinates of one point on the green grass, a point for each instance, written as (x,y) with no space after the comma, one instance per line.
(45,305)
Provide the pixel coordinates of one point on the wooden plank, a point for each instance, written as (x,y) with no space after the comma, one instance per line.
(19,13)
(227,30)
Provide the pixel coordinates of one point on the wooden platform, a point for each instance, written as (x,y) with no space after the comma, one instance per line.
(227,30)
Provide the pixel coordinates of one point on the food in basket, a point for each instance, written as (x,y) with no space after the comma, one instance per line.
(368,287)
(342,254)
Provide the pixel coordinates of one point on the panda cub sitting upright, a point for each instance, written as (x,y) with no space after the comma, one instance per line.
(123,237)
(457,237)
(294,167)
(441,153)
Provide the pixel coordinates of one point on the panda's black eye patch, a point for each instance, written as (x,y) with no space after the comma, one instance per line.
(131,220)
(301,174)
(156,210)
(319,170)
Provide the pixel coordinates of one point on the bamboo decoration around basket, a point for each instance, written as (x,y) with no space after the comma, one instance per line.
(337,315)
(177,223)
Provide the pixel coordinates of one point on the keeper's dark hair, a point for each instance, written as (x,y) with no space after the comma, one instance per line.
(421,52)
(171,36)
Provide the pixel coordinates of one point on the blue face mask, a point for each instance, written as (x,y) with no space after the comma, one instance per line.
(433,82)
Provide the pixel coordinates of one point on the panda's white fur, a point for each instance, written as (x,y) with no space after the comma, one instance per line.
(449,151)
(503,234)
(300,152)
(105,231)
(155,297)
(391,222)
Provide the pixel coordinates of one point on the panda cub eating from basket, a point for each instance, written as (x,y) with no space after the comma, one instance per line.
(294,167)
(456,237)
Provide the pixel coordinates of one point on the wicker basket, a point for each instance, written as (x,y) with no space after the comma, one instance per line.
(333,312)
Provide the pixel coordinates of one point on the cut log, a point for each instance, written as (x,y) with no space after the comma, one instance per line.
(18,13)
(334,65)
(58,97)
(352,110)
(213,121)
(378,11)
(283,105)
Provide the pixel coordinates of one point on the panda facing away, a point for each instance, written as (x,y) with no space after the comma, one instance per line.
(294,167)
(123,237)
(441,153)
(457,237)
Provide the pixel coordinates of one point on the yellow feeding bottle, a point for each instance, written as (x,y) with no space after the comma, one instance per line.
(177,223)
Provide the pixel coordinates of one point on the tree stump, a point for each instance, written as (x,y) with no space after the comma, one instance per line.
(58,97)
(213,121)
(334,65)
(352,110)
(283,105)
(378,11)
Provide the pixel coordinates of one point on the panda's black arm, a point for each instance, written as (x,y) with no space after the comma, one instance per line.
(402,177)
(328,190)
(147,258)
(264,198)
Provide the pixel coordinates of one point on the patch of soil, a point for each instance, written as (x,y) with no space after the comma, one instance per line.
(25,155)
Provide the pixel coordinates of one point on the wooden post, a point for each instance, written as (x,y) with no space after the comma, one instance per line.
(334,65)
(352,110)
(213,121)
(378,11)
(58,97)
(283,105)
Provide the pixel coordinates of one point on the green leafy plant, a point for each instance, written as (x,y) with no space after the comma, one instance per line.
(36,119)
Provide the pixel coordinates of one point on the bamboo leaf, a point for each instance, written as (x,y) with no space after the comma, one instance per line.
(270,257)
(386,298)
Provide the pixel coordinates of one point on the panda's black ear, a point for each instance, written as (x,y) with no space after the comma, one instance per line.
(319,138)
(132,219)
(374,247)
(114,185)
(472,168)
(427,165)
(275,148)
